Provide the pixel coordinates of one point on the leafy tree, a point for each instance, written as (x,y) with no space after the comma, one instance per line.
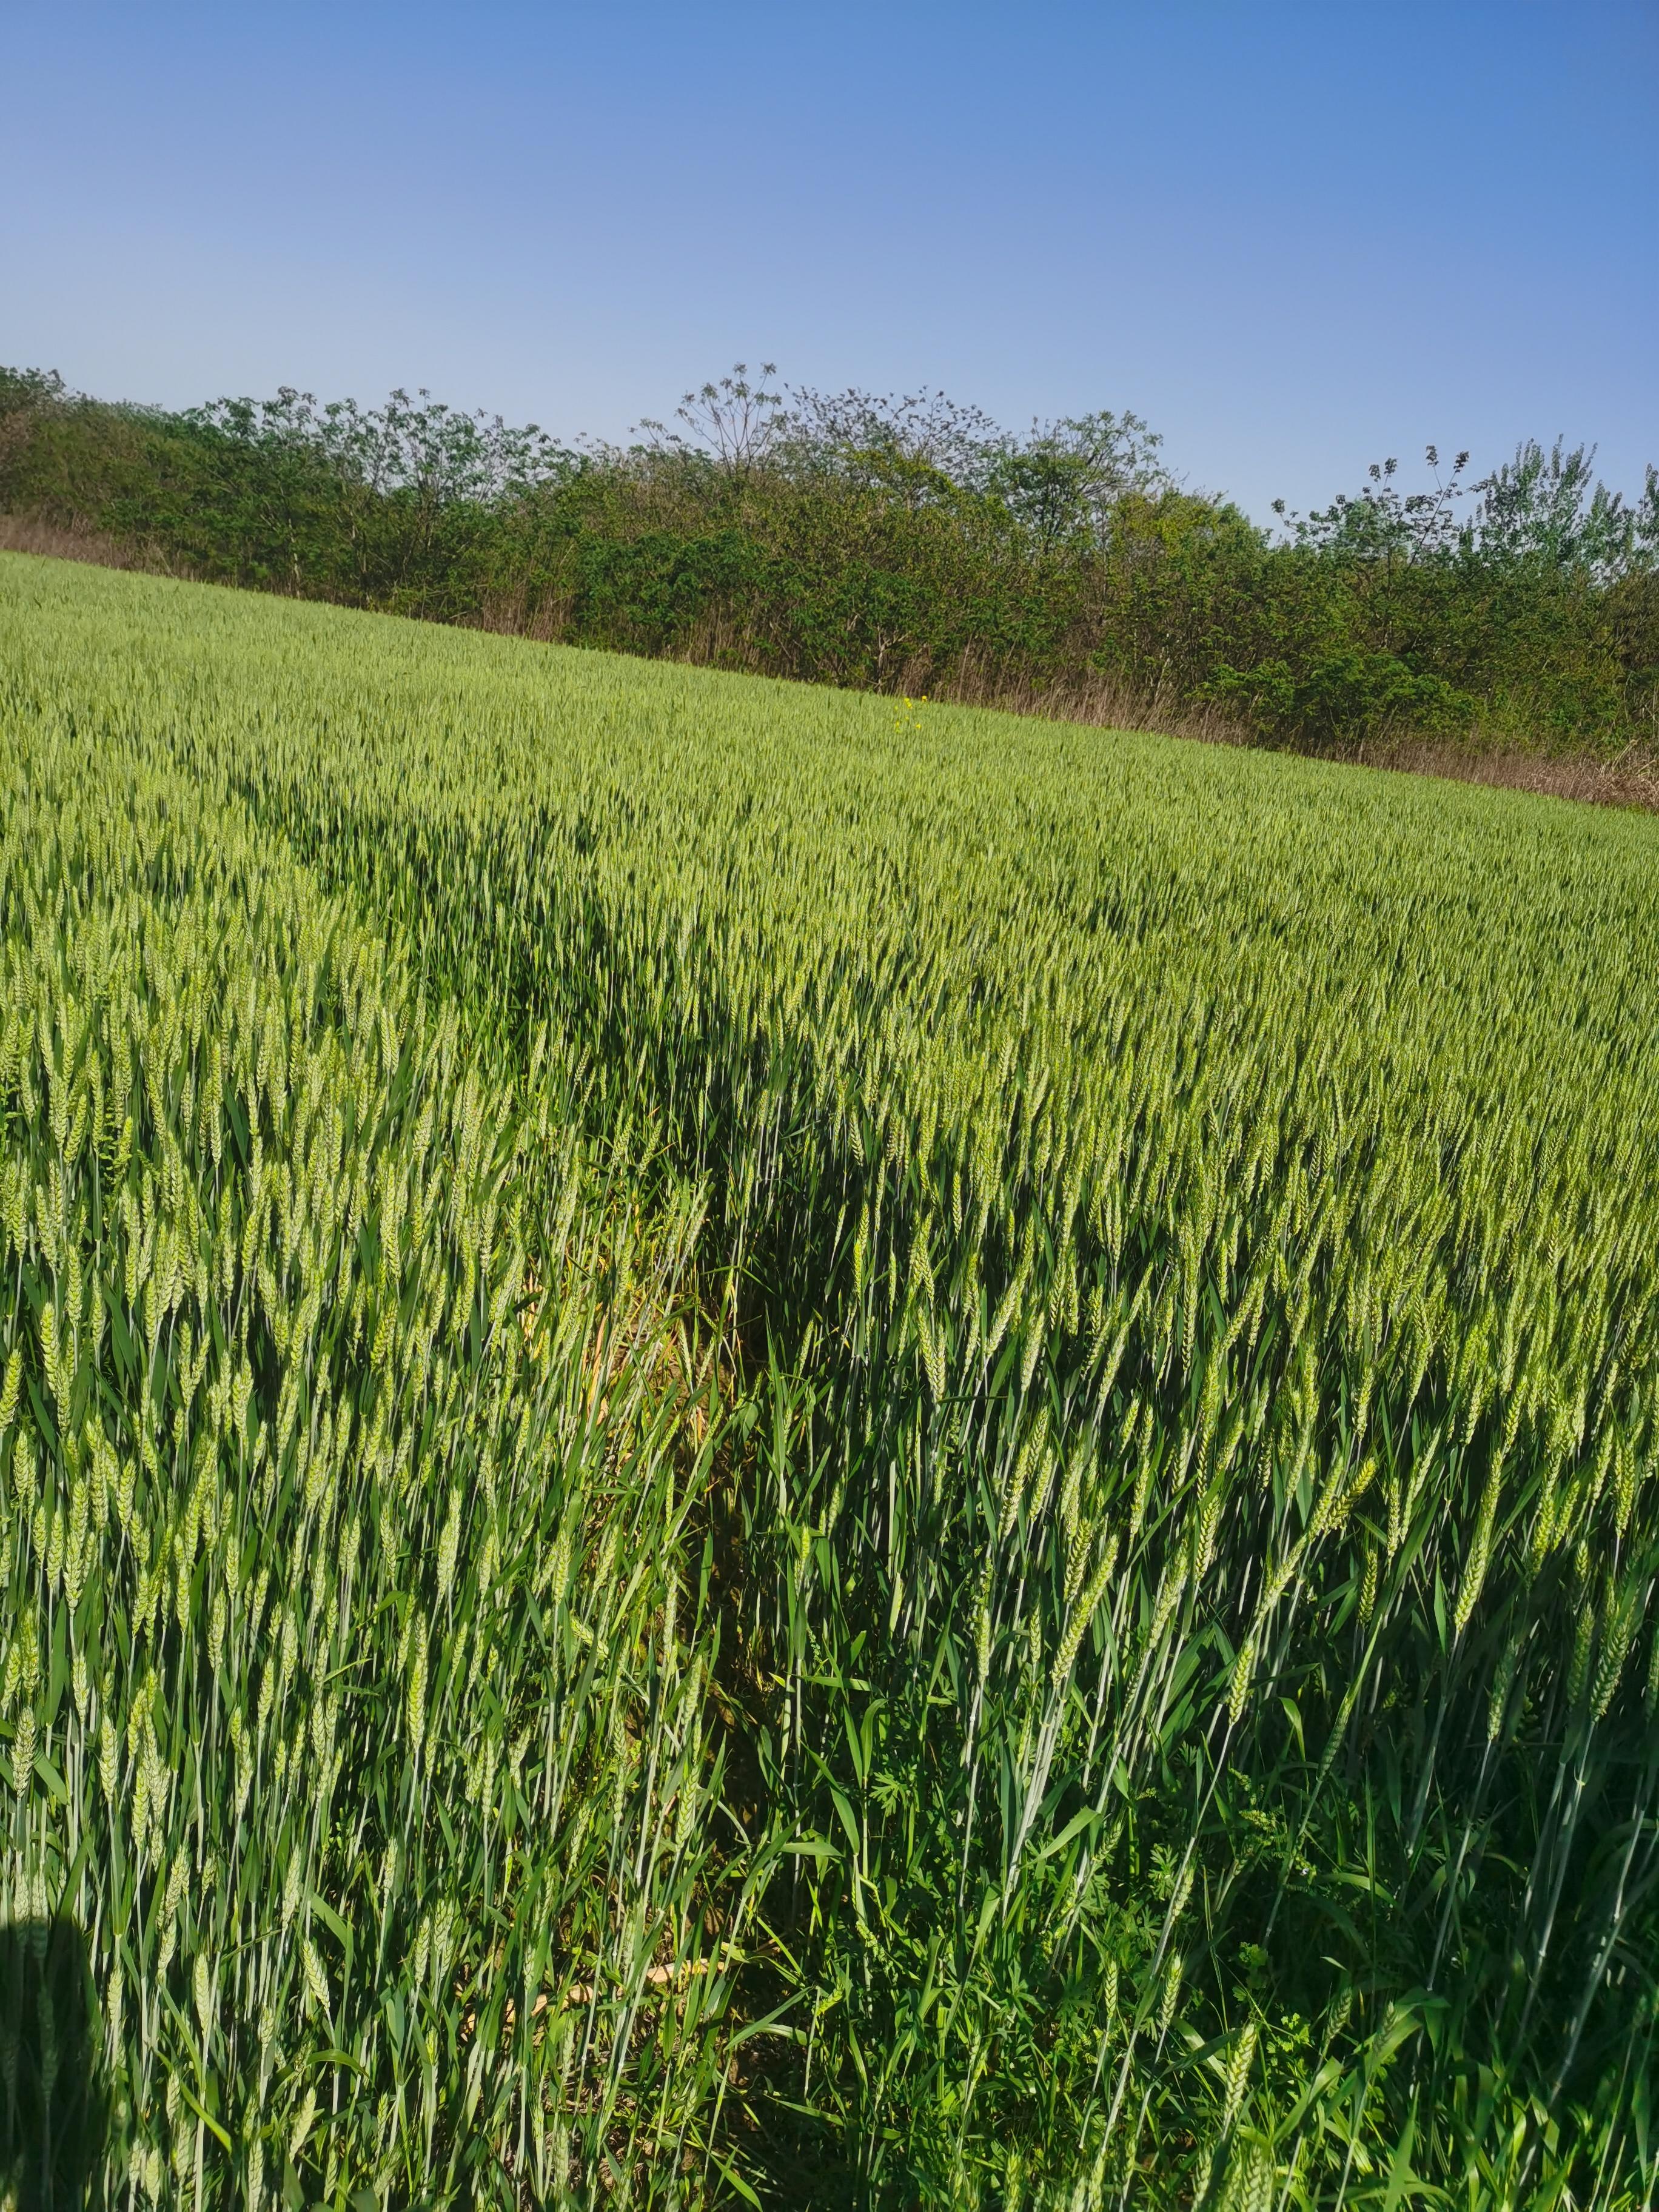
(905,541)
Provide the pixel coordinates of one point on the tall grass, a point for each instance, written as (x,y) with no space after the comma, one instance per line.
(1126,1672)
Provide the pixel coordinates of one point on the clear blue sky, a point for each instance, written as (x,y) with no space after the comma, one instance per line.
(1295,237)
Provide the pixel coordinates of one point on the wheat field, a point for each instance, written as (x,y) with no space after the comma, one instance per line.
(765,1447)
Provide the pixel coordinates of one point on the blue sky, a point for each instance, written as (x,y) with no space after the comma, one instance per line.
(1295,238)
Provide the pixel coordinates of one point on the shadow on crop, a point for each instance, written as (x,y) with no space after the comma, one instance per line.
(53,2115)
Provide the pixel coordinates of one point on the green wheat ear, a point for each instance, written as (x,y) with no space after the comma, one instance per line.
(730,1461)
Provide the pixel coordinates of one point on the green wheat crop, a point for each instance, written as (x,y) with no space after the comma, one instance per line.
(751,1453)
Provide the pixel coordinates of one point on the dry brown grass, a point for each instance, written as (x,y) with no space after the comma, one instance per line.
(58,541)
(1631,779)
(1097,702)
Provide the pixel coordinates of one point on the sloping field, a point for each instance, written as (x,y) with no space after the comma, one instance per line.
(764,1447)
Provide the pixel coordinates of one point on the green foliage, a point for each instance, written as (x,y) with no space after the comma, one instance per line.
(904,544)
(1127,1671)
(1344,695)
